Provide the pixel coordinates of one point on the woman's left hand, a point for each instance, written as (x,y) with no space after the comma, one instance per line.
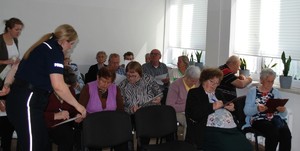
(156,100)
(280,108)
(229,106)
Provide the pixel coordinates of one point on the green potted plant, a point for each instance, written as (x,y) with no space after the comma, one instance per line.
(198,54)
(284,79)
(243,68)
(192,60)
(269,65)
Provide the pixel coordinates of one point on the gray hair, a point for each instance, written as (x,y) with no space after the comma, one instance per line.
(192,72)
(266,72)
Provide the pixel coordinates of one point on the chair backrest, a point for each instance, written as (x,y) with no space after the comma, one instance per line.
(239,104)
(106,129)
(155,121)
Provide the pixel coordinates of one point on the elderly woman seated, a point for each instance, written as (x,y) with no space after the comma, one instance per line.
(210,125)
(102,94)
(178,91)
(182,65)
(269,124)
(58,110)
(139,90)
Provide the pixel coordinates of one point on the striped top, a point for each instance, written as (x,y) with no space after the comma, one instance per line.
(140,93)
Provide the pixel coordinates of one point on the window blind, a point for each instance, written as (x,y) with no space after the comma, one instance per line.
(267,27)
(187,24)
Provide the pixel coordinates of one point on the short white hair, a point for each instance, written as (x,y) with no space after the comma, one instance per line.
(192,72)
(266,72)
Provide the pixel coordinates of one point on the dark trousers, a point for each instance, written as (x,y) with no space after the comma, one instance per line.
(63,136)
(25,109)
(274,135)
(6,131)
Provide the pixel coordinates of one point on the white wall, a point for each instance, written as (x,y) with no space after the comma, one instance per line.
(109,25)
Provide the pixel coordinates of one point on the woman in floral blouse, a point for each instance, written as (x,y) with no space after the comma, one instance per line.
(255,109)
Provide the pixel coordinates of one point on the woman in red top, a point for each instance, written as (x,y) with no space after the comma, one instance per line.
(58,111)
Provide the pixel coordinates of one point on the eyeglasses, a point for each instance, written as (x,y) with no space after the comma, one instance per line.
(155,54)
(214,83)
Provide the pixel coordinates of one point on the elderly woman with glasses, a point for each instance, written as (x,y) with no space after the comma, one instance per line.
(138,89)
(210,125)
(263,121)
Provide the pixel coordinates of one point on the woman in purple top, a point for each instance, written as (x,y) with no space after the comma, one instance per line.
(102,94)
(178,91)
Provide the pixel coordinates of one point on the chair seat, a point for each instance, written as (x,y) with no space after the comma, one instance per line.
(252,130)
(170,146)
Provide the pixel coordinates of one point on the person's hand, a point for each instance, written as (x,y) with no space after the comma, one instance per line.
(17,60)
(62,115)
(79,119)
(280,108)
(217,105)
(166,80)
(241,77)
(261,107)
(156,100)
(81,110)
(135,108)
(229,107)
(2,106)
(5,90)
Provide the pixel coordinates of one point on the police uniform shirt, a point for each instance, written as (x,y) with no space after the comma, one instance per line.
(45,59)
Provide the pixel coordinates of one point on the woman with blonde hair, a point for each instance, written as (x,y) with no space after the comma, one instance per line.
(40,72)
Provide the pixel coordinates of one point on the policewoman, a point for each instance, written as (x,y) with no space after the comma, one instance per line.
(40,72)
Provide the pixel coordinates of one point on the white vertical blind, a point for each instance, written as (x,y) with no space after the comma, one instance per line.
(187,24)
(267,27)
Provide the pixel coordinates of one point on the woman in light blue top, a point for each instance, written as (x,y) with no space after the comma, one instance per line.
(267,123)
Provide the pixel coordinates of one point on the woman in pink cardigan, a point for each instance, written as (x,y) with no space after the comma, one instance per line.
(178,91)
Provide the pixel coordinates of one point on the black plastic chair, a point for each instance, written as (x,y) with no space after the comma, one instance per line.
(240,116)
(106,129)
(157,122)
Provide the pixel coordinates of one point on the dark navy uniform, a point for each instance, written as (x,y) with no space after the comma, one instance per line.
(29,95)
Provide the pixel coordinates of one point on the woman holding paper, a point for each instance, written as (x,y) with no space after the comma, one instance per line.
(102,94)
(138,89)
(210,125)
(58,111)
(255,110)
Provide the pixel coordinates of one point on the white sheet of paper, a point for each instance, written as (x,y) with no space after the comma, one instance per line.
(2,114)
(159,78)
(5,71)
(119,79)
(66,121)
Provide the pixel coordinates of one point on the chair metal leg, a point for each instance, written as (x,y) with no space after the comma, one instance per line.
(256,142)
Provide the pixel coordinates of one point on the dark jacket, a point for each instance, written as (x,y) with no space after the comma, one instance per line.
(91,75)
(196,111)
(3,51)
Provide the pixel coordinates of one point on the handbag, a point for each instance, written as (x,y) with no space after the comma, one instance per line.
(278,121)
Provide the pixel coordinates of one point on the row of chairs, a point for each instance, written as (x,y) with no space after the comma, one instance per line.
(111,128)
